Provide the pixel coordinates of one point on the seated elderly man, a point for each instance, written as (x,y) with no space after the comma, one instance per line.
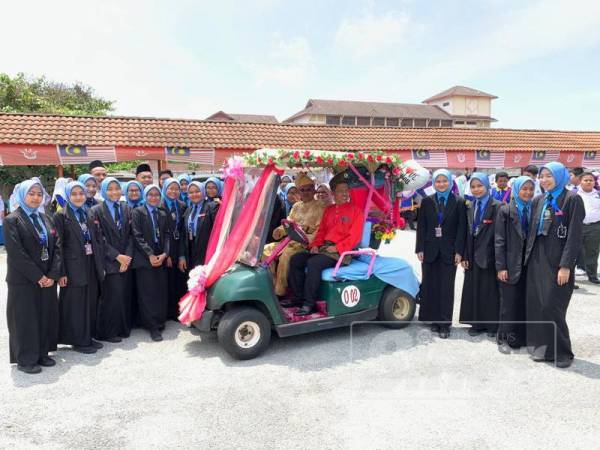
(340,230)
(307,214)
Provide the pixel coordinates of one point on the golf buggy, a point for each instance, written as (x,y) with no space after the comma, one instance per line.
(241,304)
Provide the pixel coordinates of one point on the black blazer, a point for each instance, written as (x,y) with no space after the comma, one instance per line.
(560,252)
(480,247)
(114,241)
(180,230)
(454,225)
(194,250)
(143,236)
(24,250)
(509,243)
(72,244)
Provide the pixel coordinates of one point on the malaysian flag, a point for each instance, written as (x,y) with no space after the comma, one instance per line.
(541,157)
(430,158)
(190,155)
(489,160)
(591,159)
(83,154)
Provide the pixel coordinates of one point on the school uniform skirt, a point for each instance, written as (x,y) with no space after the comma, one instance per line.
(480,302)
(513,309)
(152,296)
(437,292)
(115,294)
(32,318)
(547,302)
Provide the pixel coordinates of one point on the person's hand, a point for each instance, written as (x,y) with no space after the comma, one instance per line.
(123,268)
(278,234)
(421,256)
(503,275)
(124,260)
(154,260)
(465,264)
(169,262)
(457,259)
(42,281)
(563,276)
(314,250)
(182,265)
(62,281)
(331,249)
(49,283)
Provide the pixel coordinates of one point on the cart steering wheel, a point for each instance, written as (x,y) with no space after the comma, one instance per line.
(294,232)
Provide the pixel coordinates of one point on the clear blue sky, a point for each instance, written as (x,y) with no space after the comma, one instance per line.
(190,58)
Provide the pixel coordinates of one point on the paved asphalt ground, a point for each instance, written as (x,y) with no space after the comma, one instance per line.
(376,388)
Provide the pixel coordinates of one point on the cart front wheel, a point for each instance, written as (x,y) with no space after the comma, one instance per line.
(396,308)
(244,332)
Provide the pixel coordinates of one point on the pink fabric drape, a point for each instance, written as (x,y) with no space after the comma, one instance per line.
(221,257)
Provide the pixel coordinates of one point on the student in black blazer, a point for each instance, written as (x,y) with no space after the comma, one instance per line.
(440,246)
(553,245)
(151,235)
(33,266)
(480,303)
(81,271)
(198,221)
(512,229)
(113,218)
(176,278)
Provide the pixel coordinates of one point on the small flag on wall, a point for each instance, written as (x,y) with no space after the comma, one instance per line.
(489,160)
(190,155)
(591,158)
(431,158)
(83,154)
(539,157)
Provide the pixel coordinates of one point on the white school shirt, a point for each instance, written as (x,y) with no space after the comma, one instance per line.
(591,201)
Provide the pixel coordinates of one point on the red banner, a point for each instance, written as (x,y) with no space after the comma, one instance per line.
(28,155)
(461,159)
(135,153)
(517,159)
(571,158)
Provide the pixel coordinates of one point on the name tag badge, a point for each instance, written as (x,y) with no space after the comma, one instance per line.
(561,231)
(438,232)
(88,249)
(174,216)
(45,256)
(176,235)
(191,236)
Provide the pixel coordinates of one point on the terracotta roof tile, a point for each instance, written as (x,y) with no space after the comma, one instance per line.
(147,132)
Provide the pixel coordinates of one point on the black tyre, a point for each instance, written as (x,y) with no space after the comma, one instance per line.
(396,308)
(244,332)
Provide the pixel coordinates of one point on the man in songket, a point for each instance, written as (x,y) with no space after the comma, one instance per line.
(307,214)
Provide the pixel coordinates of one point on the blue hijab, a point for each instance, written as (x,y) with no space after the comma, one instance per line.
(24,188)
(561,178)
(183,196)
(83,179)
(193,219)
(138,202)
(518,183)
(104,191)
(483,179)
(443,173)
(69,188)
(217,183)
(288,205)
(147,189)
(169,202)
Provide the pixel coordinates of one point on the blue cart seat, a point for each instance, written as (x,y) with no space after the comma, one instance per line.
(357,269)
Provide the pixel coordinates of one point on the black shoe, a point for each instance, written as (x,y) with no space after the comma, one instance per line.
(86,350)
(97,345)
(31,370)
(563,363)
(291,303)
(444,332)
(435,328)
(539,358)
(156,336)
(594,280)
(305,311)
(46,361)
(575,286)
(491,334)
(504,348)
(162,327)
(113,340)
(475,331)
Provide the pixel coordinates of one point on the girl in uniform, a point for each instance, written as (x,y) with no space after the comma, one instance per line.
(214,189)
(440,245)
(511,231)
(198,220)
(91,187)
(184,182)
(81,268)
(175,209)
(133,194)
(552,247)
(33,266)
(113,218)
(152,239)
(480,303)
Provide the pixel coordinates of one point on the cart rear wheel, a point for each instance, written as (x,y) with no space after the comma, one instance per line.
(396,308)
(244,332)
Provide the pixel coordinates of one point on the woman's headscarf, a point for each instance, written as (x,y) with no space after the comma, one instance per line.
(484,179)
(69,188)
(84,178)
(169,202)
(561,178)
(201,187)
(443,173)
(24,188)
(183,195)
(90,200)
(193,219)
(517,184)
(217,183)
(104,188)
(288,204)
(147,190)
(59,194)
(138,202)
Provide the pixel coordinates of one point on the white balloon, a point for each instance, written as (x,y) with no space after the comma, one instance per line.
(414,176)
